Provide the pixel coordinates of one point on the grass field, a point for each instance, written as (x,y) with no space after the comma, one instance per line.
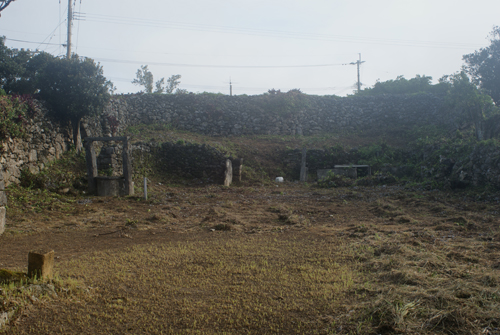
(287,259)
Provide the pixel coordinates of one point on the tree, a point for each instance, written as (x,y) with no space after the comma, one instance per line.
(12,66)
(74,88)
(484,66)
(144,77)
(19,69)
(172,83)
(466,101)
(401,85)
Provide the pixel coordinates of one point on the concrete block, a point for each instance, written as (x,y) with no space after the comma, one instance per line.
(41,264)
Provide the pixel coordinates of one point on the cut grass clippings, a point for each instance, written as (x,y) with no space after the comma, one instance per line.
(256,285)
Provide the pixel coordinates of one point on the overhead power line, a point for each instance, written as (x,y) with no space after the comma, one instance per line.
(212,66)
(270,33)
(11,39)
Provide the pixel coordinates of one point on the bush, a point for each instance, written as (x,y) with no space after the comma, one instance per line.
(335,180)
(15,112)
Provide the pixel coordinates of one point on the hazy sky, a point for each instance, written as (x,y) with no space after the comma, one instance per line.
(259,44)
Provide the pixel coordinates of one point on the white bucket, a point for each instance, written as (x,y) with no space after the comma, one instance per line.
(279,179)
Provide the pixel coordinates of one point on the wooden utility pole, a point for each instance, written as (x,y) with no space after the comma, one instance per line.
(358,63)
(70,18)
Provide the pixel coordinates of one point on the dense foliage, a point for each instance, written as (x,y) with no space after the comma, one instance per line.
(466,101)
(14,114)
(401,85)
(72,88)
(483,66)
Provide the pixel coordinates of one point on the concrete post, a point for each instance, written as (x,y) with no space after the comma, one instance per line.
(228,174)
(41,264)
(91,162)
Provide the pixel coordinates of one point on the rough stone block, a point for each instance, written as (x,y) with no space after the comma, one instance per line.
(228,174)
(41,264)
(237,168)
(110,186)
(3,197)
(2,220)
(33,156)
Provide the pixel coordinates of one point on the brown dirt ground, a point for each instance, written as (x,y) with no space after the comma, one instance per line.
(441,234)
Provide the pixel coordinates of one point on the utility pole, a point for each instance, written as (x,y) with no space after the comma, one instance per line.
(358,63)
(70,18)
(230,87)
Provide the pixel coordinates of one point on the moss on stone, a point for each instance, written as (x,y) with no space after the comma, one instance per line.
(7,276)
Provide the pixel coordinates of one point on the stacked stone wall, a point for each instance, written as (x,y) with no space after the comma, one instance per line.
(219,115)
(45,140)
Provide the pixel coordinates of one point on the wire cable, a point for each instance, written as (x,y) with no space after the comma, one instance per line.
(214,66)
(15,40)
(270,33)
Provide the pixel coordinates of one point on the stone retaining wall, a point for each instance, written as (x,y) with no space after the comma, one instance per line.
(282,114)
(44,141)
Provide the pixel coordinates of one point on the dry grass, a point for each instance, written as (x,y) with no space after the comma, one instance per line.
(224,284)
(219,260)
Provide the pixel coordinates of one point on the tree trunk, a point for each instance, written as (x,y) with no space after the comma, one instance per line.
(77,137)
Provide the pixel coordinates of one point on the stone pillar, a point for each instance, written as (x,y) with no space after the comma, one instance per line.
(238,166)
(3,203)
(91,162)
(127,168)
(41,264)
(228,174)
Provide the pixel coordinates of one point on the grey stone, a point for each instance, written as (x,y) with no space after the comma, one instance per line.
(41,264)
(2,219)
(228,174)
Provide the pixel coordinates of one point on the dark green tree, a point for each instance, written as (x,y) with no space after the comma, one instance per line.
(484,66)
(467,102)
(74,88)
(12,67)
(19,69)
(401,85)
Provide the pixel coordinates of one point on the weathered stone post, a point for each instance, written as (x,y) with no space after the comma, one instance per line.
(238,166)
(3,203)
(91,162)
(127,167)
(228,174)
(303,168)
(41,264)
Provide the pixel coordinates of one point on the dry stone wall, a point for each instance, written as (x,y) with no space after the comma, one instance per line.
(45,141)
(282,114)
(189,160)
